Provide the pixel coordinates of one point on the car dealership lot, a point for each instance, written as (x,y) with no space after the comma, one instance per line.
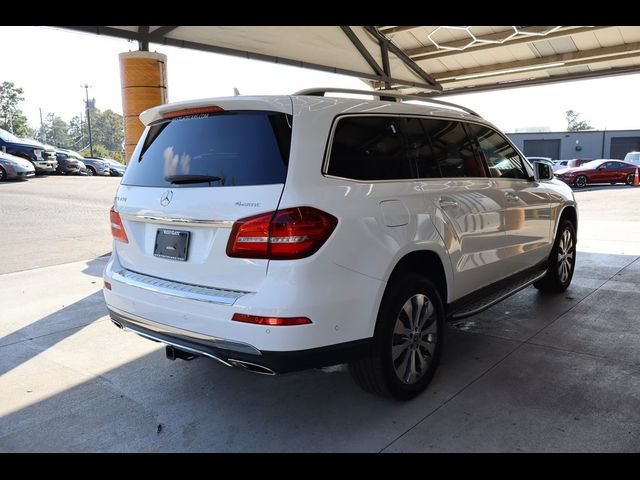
(537,372)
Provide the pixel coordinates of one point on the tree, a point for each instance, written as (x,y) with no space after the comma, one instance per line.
(11,117)
(56,131)
(107,129)
(574,124)
(78,137)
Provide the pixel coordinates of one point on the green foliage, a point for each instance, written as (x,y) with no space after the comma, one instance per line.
(574,124)
(107,129)
(55,132)
(99,150)
(11,117)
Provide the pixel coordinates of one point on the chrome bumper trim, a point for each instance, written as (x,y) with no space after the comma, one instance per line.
(177,289)
(217,342)
(185,222)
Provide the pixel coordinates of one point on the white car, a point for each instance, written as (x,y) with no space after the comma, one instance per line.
(280,233)
(633,157)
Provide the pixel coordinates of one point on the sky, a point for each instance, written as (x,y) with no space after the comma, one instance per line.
(51,64)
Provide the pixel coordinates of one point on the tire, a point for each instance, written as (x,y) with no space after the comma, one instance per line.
(91,171)
(629,179)
(417,352)
(3,174)
(558,278)
(581,181)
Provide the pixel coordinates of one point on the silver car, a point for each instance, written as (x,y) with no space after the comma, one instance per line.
(15,167)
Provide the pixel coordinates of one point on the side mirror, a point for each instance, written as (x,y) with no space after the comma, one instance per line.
(4,149)
(542,170)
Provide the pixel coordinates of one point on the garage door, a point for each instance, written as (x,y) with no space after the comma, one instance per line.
(620,146)
(542,148)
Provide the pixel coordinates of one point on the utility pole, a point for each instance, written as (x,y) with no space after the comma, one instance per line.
(43,134)
(86,88)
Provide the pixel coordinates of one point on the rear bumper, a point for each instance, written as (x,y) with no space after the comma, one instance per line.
(230,353)
(342,313)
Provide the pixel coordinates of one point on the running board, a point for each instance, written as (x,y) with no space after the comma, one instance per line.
(467,307)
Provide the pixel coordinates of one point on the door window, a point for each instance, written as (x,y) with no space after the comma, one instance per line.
(502,159)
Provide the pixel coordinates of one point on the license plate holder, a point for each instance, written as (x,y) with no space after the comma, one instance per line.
(172,244)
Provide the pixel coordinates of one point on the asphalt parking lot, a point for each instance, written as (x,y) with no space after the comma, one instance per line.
(535,373)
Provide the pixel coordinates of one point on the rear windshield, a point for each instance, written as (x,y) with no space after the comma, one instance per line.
(220,150)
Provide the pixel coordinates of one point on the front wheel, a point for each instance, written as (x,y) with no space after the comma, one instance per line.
(407,342)
(91,171)
(3,174)
(562,261)
(581,181)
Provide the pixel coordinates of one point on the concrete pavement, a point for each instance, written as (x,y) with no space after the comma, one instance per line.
(535,373)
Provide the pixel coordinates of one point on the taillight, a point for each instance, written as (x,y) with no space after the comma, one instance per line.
(192,111)
(117,228)
(272,321)
(281,235)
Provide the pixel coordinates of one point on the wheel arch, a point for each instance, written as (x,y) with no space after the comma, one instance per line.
(570,213)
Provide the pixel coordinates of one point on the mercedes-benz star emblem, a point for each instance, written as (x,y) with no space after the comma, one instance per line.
(166,197)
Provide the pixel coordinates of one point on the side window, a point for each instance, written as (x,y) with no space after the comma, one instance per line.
(419,148)
(502,159)
(452,149)
(369,148)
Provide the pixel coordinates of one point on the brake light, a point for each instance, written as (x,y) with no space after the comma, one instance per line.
(281,235)
(192,111)
(117,228)
(271,321)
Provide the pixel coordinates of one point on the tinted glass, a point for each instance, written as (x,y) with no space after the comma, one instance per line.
(452,149)
(419,147)
(502,159)
(369,148)
(230,148)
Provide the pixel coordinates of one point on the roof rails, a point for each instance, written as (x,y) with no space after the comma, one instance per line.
(319,92)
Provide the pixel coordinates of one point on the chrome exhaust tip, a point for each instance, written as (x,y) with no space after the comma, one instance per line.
(117,324)
(251,367)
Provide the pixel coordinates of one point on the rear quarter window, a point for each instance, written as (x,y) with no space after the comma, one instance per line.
(240,148)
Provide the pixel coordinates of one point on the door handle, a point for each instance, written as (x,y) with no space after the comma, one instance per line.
(511,197)
(448,203)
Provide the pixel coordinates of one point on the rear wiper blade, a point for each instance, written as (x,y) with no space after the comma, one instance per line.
(181,179)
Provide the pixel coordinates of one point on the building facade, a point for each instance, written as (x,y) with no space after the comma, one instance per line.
(588,144)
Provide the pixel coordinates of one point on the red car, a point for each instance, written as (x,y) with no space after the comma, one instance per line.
(598,171)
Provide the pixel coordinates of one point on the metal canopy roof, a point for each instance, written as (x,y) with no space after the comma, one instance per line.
(426,60)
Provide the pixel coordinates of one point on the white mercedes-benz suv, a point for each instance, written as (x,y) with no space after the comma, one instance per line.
(280,233)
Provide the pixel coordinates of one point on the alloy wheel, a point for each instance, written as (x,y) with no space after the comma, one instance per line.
(414,339)
(565,256)
(581,181)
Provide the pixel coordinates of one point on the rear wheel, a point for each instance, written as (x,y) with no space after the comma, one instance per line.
(581,181)
(407,343)
(562,260)
(629,179)
(3,174)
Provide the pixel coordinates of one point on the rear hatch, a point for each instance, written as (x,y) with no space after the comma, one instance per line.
(190,178)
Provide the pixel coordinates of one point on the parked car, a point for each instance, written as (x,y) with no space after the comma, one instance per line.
(577,162)
(598,171)
(70,162)
(279,233)
(12,166)
(560,164)
(116,169)
(96,166)
(42,159)
(633,157)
